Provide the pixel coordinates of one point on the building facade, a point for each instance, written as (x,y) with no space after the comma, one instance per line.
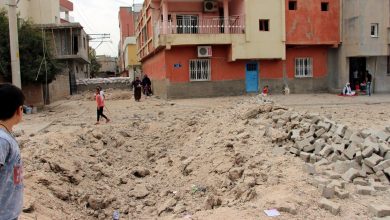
(127,56)
(38,11)
(212,48)
(365,44)
(109,67)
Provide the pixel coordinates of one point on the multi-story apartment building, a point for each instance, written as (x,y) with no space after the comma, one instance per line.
(209,48)
(365,43)
(70,46)
(127,48)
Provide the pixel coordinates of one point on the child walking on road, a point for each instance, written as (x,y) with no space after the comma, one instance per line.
(100,106)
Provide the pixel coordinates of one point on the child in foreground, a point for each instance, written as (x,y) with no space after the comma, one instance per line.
(11,166)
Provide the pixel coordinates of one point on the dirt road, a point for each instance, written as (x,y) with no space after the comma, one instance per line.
(181,159)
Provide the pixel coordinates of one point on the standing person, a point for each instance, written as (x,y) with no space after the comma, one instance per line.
(368,81)
(11,166)
(147,85)
(100,106)
(137,85)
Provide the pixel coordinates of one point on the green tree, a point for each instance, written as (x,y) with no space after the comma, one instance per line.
(95,66)
(33,66)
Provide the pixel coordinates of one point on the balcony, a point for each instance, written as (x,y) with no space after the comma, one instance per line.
(192,30)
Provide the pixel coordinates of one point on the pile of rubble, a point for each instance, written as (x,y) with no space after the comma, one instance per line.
(104,80)
(333,153)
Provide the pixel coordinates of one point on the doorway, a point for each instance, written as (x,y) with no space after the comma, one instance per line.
(252,77)
(357,68)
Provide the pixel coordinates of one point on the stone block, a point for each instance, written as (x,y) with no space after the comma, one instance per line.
(324,125)
(334,157)
(356,138)
(387,156)
(367,169)
(328,191)
(302,143)
(382,165)
(350,175)
(319,144)
(368,152)
(383,148)
(309,148)
(322,162)
(350,151)
(366,132)
(360,181)
(348,134)
(295,134)
(313,158)
(382,135)
(371,141)
(343,166)
(333,207)
(326,135)
(382,176)
(379,210)
(358,157)
(309,168)
(340,130)
(379,186)
(295,151)
(332,175)
(373,160)
(387,171)
(342,194)
(304,156)
(365,190)
(319,132)
(318,181)
(338,184)
(326,151)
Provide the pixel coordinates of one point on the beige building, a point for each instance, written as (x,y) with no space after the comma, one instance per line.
(38,11)
(365,44)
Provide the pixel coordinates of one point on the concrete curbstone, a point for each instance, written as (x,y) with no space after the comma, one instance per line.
(333,207)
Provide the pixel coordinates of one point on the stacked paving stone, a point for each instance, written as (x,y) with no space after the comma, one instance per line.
(110,80)
(335,154)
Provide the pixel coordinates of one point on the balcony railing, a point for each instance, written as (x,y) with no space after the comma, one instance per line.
(189,24)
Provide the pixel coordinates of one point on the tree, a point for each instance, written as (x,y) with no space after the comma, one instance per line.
(33,66)
(95,66)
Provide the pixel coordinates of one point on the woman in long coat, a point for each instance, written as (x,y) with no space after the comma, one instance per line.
(137,85)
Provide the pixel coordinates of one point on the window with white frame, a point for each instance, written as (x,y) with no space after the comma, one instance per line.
(303,67)
(374,30)
(200,70)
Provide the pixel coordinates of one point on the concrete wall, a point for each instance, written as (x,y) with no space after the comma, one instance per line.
(92,87)
(59,88)
(297,85)
(377,66)
(358,15)
(309,25)
(33,94)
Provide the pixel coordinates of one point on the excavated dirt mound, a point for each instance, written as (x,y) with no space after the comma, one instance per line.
(191,159)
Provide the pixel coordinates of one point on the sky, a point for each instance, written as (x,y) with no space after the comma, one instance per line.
(101,17)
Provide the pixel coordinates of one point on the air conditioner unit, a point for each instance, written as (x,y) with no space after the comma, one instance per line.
(210,6)
(204,51)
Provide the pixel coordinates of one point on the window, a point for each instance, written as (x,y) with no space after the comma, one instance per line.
(324,6)
(292,5)
(303,67)
(263,25)
(374,30)
(200,70)
(187,24)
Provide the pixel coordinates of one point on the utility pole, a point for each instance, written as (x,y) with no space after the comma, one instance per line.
(14,43)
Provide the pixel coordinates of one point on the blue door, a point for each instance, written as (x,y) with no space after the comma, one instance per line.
(252,77)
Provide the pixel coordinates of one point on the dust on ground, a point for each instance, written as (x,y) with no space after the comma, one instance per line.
(180,159)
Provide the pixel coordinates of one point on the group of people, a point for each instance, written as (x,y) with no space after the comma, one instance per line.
(361,84)
(139,86)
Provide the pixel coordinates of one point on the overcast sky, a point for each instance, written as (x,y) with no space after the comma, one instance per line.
(101,17)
